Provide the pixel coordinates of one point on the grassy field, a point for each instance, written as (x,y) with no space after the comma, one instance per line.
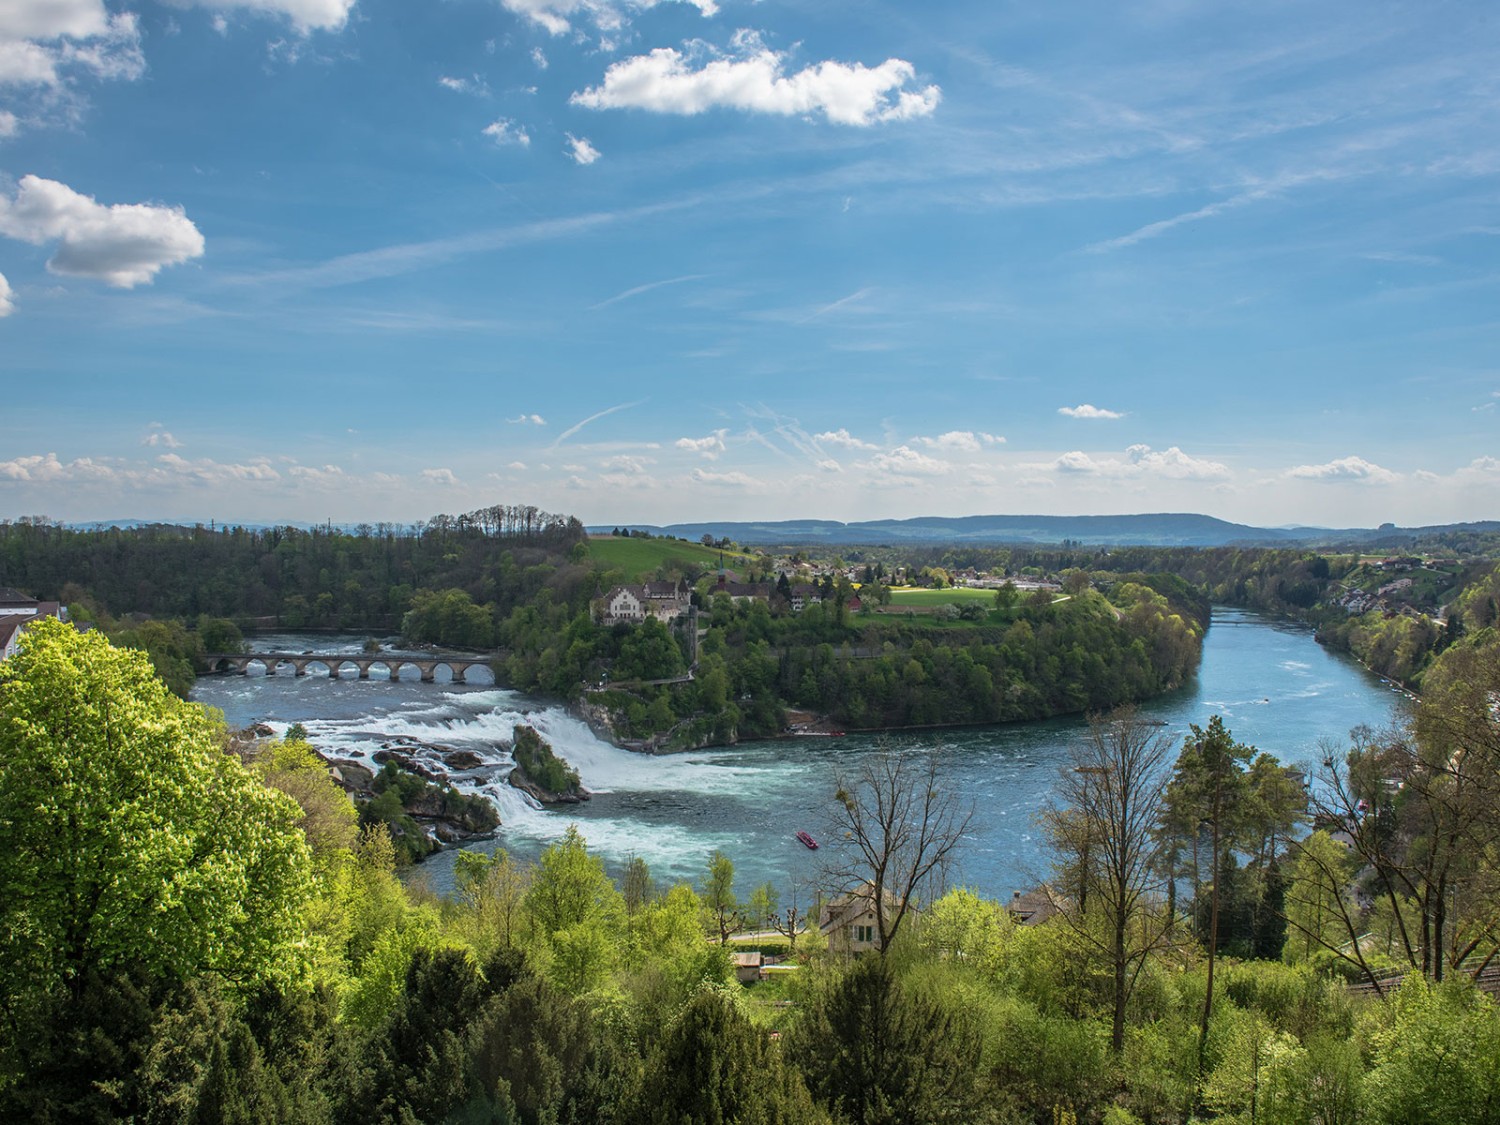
(959,595)
(639,558)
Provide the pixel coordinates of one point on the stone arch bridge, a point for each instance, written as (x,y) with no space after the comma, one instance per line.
(333,664)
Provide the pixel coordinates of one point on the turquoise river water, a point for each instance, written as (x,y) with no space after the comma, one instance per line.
(1275,686)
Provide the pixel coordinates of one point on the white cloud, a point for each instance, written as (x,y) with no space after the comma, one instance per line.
(306,15)
(906,461)
(124,244)
(963,440)
(324,476)
(1086,410)
(205,470)
(504,131)
(45,44)
(53,19)
(581,150)
(7,297)
(734,479)
(710,446)
(10,125)
(527,420)
(1143,461)
(1346,469)
(539,58)
(473,85)
(40,468)
(829,465)
(517,466)
(438,476)
(159,436)
(844,438)
(626,465)
(664,81)
(607,15)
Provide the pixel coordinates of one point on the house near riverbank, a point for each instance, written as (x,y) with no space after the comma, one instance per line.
(18,611)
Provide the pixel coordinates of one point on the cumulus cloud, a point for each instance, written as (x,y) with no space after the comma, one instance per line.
(829,465)
(305,15)
(1143,461)
(158,435)
(581,150)
(527,420)
(517,466)
(504,131)
(322,476)
(843,438)
(1086,410)
(7,297)
(125,244)
(710,446)
(1345,469)
(438,476)
(539,58)
(756,81)
(47,45)
(734,479)
(626,464)
(205,470)
(965,441)
(905,461)
(557,16)
(46,468)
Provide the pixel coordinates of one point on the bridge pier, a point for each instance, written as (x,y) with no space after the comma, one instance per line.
(459,675)
(364,671)
(428,677)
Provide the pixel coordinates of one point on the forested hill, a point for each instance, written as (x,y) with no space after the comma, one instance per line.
(1169,529)
(292,577)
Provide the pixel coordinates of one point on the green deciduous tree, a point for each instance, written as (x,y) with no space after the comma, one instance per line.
(130,836)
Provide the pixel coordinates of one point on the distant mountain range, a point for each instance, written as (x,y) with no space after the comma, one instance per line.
(1168,529)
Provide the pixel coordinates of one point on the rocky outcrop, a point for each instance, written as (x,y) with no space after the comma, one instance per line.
(574,794)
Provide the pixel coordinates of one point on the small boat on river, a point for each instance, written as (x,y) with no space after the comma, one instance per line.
(807,839)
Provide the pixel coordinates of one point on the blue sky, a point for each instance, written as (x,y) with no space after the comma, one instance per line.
(376,259)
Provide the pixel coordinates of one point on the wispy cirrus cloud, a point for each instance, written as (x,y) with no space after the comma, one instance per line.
(573,429)
(636,291)
(527,420)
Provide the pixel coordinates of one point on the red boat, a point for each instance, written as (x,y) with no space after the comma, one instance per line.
(807,839)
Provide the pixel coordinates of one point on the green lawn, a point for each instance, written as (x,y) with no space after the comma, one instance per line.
(639,558)
(959,595)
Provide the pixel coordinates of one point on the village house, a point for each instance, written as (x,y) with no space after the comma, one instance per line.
(16,612)
(849,923)
(632,605)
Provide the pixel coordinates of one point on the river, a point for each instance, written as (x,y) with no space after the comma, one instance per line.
(1276,688)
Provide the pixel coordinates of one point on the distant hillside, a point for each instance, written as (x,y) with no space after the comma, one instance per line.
(638,558)
(1168,529)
